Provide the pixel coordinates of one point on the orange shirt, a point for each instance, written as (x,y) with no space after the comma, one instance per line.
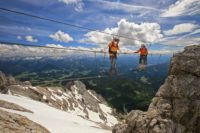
(113,46)
(143,51)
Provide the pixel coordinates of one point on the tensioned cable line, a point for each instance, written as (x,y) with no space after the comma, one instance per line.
(64,23)
(51,47)
(90,77)
(79,78)
(102,76)
(68,48)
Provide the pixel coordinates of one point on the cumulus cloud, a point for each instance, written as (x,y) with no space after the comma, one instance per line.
(138,34)
(30,39)
(61,36)
(181,28)
(183,8)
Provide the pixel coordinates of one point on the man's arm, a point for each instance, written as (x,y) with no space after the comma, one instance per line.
(117,46)
(110,45)
(137,51)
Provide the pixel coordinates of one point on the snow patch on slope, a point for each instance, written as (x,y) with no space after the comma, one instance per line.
(56,121)
(111,120)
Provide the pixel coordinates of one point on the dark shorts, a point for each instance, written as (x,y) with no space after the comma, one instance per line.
(143,59)
(113,55)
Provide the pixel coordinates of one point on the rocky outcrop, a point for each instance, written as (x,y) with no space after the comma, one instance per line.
(8,105)
(5,81)
(176,106)
(14,123)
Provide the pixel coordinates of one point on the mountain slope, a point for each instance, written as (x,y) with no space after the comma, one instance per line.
(72,100)
(55,120)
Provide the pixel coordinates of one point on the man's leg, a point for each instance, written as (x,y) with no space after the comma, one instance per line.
(142,65)
(115,66)
(140,60)
(145,60)
(111,64)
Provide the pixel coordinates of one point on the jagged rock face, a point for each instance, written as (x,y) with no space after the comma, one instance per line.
(176,106)
(14,123)
(87,99)
(74,98)
(7,80)
(8,105)
(4,81)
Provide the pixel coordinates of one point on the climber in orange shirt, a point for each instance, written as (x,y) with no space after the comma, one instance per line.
(113,48)
(143,55)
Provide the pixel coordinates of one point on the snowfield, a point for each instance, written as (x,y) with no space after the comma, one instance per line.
(56,121)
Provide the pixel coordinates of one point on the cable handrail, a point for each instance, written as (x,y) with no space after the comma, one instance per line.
(102,51)
(109,75)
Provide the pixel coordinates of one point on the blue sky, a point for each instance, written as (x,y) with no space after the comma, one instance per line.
(165,24)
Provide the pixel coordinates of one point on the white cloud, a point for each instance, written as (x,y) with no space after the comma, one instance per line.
(12,51)
(16,51)
(183,8)
(70,1)
(181,28)
(181,41)
(30,39)
(124,7)
(139,33)
(61,36)
(55,45)
(195,32)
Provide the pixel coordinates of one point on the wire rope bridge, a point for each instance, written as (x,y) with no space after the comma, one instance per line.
(95,52)
(102,51)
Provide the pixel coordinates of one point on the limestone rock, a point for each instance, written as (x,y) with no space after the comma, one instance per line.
(8,105)
(14,123)
(176,106)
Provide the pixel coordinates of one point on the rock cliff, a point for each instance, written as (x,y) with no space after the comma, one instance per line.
(14,123)
(176,106)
